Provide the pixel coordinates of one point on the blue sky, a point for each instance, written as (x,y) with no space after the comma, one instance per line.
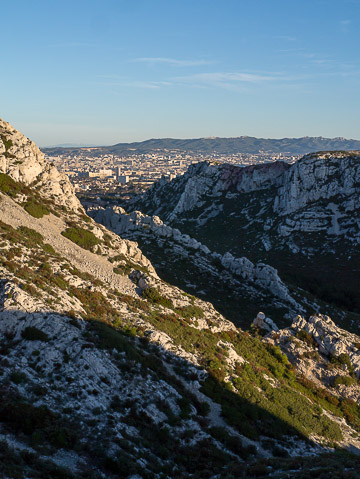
(102,72)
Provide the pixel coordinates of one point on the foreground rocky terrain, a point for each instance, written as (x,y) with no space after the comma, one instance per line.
(108,371)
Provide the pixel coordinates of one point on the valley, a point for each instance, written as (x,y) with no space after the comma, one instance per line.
(127,343)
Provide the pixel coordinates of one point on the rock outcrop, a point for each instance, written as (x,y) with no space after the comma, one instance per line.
(22,160)
(320,176)
(263,275)
(320,192)
(206,180)
(264,323)
(329,339)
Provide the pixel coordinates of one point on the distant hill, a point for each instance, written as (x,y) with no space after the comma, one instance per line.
(68,145)
(242,144)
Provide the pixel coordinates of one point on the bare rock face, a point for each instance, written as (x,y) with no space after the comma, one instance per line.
(318,193)
(262,322)
(321,193)
(208,179)
(321,332)
(22,160)
(318,176)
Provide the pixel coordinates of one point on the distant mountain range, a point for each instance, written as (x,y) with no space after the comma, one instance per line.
(242,144)
(68,145)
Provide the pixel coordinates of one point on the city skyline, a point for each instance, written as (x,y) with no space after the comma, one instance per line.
(118,71)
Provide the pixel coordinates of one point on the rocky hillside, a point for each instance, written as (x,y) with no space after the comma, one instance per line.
(184,261)
(108,371)
(302,219)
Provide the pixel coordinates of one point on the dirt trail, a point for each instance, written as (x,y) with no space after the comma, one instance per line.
(50,227)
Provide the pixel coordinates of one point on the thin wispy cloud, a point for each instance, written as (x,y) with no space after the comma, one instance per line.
(322,61)
(121,82)
(152,85)
(235,81)
(172,61)
(290,50)
(225,80)
(228,80)
(344,25)
(286,38)
(73,45)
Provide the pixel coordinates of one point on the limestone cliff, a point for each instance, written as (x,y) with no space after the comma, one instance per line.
(301,219)
(22,160)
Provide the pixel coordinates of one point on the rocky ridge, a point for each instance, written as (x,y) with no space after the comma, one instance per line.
(301,219)
(204,180)
(134,223)
(315,177)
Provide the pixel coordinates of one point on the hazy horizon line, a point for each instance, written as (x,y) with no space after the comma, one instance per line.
(81,145)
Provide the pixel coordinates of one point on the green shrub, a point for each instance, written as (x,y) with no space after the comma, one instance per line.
(130,331)
(153,295)
(346,380)
(31,234)
(123,269)
(49,249)
(7,143)
(34,334)
(85,218)
(190,311)
(60,282)
(36,209)
(84,238)
(343,360)
(8,185)
(306,337)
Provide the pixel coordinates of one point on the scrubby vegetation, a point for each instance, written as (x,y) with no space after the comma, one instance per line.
(84,238)
(154,296)
(264,390)
(190,311)
(36,209)
(32,333)
(8,185)
(345,380)
(35,205)
(8,144)
(40,424)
